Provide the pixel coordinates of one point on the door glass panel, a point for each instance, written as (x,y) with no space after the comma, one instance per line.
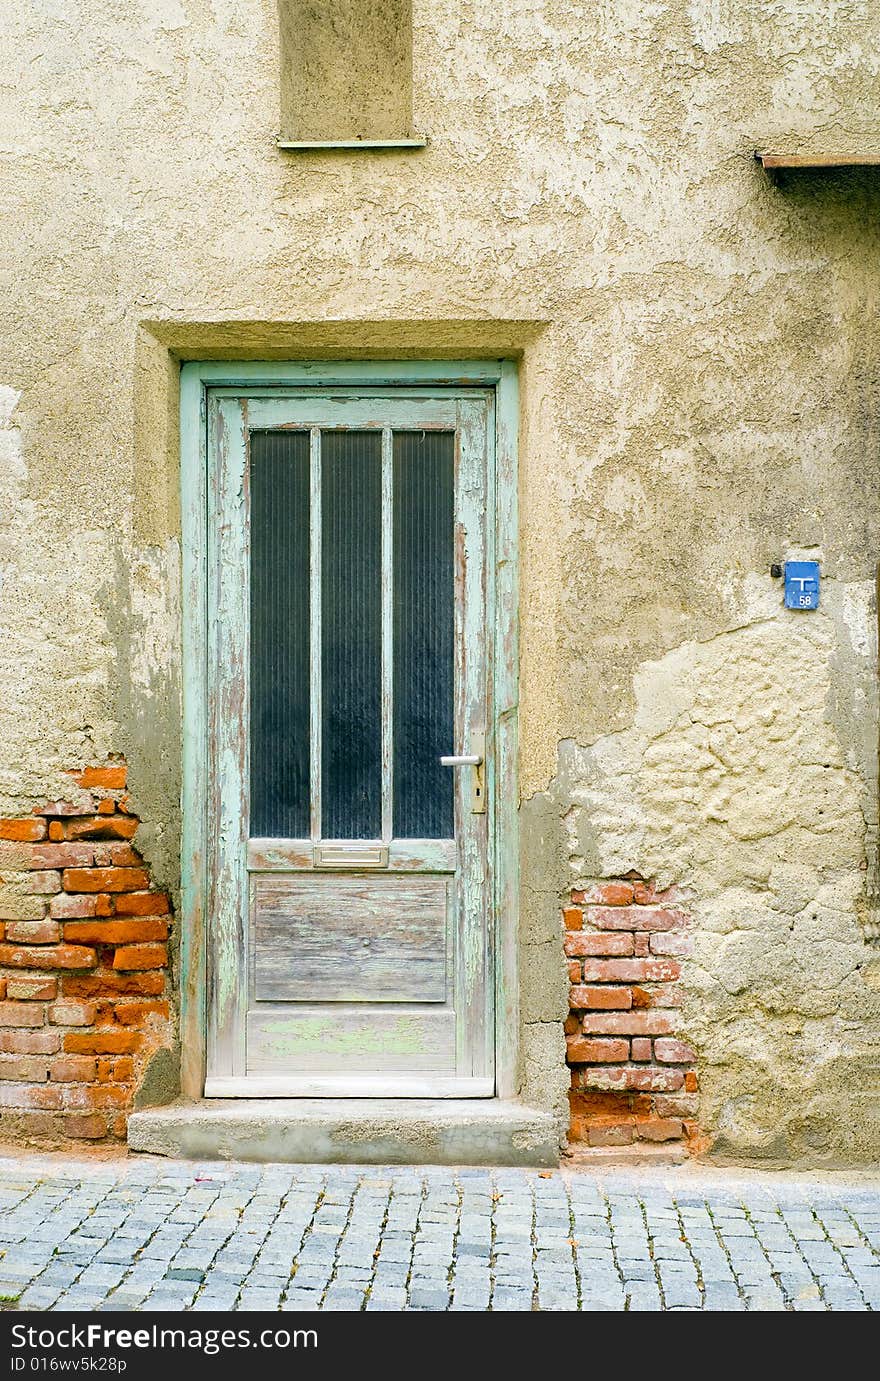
(351,635)
(423,634)
(279,655)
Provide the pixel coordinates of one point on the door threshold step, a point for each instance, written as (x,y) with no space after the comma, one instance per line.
(349,1131)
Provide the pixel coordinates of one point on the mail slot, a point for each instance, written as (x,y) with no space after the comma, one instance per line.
(351,856)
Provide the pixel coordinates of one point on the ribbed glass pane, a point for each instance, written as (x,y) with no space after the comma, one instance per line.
(423,634)
(351,635)
(279,487)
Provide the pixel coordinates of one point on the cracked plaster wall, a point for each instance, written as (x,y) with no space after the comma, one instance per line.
(700,397)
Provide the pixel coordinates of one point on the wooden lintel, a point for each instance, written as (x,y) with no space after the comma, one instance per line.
(818,160)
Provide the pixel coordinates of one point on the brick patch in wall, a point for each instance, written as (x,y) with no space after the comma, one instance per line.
(83,963)
(632,1076)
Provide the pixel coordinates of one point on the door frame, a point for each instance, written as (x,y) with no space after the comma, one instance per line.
(197,379)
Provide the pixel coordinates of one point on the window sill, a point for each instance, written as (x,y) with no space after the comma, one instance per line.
(305,145)
(818,160)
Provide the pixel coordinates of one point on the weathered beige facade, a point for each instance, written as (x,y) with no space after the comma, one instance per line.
(699,367)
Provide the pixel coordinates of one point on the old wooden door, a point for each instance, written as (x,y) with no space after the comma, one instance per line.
(350,946)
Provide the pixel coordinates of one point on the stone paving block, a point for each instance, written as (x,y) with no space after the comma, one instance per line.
(424,1297)
(387,1300)
(722,1297)
(122,1238)
(642,1297)
(344,1301)
(508,1301)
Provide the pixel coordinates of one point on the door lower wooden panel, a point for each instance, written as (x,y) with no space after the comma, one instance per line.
(320,938)
(313,1040)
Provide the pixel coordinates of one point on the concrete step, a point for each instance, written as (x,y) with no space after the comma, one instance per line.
(353,1131)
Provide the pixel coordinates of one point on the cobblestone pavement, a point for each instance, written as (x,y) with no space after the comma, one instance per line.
(145,1234)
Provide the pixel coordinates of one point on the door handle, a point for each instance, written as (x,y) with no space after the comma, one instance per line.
(477,762)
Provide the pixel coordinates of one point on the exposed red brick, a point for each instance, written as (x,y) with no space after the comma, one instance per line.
(605,894)
(653,1023)
(115,932)
(109,984)
(67,809)
(48,957)
(33,932)
(29,988)
(691,1082)
(646,894)
(102,1042)
(29,1096)
(102,826)
(610,1133)
(74,1068)
(586,943)
(572,917)
(141,904)
(88,1126)
(24,1068)
(113,1069)
(648,1079)
(65,905)
(633,918)
(617,943)
(21,1013)
(105,879)
(673,1052)
(631,970)
(72,1014)
(135,957)
(107,806)
(588,997)
(63,855)
(660,1129)
(44,883)
(637,941)
(88,1096)
(610,1105)
(108,777)
(581,1051)
(23,830)
(136,1013)
(676,1104)
(29,1042)
(116,854)
(56,831)
(672,944)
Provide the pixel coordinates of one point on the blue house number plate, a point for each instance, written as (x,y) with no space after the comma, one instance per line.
(802,584)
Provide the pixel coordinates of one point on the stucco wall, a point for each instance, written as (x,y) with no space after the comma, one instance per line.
(699,382)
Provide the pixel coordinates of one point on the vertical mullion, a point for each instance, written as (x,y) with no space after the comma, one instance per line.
(387,636)
(315,632)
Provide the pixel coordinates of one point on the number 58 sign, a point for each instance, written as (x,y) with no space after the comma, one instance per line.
(802,584)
